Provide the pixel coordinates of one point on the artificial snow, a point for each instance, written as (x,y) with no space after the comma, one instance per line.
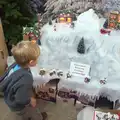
(89,20)
(59,49)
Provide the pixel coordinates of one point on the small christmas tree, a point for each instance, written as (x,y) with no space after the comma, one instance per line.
(56,20)
(72,25)
(50,22)
(74,17)
(81,47)
(105,25)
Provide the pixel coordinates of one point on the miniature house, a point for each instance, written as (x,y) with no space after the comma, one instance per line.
(61,18)
(119,19)
(118,22)
(69,18)
(112,25)
(64,18)
(113,19)
(114,15)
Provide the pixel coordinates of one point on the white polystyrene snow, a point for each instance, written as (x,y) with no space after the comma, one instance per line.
(59,48)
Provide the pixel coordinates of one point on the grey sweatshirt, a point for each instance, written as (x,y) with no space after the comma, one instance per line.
(17,89)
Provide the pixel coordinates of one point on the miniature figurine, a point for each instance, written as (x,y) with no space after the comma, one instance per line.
(52,73)
(103,81)
(72,25)
(60,73)
(54,27)
(98,117)
(87,80)
(50,22)
(42,72)
(105,116)
(69,75)
(55,20)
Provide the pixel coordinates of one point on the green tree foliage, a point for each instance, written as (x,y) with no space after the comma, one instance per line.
(81,47)
(15,15)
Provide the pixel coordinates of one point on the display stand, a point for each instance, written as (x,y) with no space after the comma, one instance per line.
(49,91)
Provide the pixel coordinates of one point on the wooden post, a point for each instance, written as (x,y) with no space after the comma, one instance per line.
(3,51)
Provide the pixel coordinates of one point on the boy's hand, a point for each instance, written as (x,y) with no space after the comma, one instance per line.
(33,102)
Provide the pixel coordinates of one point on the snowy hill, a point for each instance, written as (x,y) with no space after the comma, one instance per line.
(59,49)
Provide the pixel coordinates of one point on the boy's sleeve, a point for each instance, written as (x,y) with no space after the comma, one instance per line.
(24,92)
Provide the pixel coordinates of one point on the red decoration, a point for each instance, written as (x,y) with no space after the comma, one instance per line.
(119,116)
(103,31)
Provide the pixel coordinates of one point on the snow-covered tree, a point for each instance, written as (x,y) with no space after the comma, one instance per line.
(81,47)
(36,6)
(79,6)
(111,5)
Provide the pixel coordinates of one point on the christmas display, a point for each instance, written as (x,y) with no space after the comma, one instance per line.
(59,49)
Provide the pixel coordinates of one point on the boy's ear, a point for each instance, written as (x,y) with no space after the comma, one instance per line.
(31,62)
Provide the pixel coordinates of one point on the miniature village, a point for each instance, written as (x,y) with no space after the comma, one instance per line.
(80,59)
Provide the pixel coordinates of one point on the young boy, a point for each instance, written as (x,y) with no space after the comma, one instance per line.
(18,93)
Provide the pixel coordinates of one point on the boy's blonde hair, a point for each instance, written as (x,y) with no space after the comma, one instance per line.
(25,51)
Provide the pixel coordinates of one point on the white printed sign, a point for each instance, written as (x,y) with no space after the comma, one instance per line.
(78,69)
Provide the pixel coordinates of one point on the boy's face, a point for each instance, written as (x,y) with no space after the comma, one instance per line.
(33,63)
